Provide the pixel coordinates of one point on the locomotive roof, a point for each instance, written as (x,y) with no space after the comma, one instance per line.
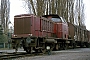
(53,15)
(23,15)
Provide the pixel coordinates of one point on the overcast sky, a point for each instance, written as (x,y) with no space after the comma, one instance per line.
(87,13)
(18,8)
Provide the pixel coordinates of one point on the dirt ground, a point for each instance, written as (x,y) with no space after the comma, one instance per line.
(71,54)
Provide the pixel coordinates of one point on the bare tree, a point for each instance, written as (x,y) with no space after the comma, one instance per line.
(71,10)
(79,13)
(5,10)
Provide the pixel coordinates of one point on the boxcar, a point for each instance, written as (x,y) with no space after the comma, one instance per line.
(78,35)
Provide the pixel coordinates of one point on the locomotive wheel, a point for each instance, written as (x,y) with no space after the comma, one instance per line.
(82,45)
(57,47)
(87,45)
(27,49)
(52,46)
(74,45)
(43,50)
(65,46)
(37,51)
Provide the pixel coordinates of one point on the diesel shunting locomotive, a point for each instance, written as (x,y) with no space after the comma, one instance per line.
(37,33)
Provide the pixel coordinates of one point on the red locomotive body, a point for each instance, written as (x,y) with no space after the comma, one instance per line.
(46,27)
(60,30)
(26,24)
(60,26)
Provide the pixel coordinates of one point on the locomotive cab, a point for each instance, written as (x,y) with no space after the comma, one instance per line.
(60,26)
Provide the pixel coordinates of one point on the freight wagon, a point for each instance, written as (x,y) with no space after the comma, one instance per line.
(78,35)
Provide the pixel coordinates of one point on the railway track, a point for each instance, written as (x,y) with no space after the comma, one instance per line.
(5,56)
(12,55)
